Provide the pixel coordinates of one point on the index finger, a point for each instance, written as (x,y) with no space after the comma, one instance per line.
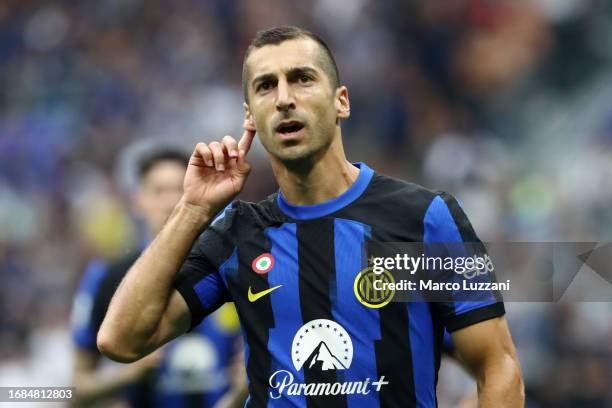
(246,140)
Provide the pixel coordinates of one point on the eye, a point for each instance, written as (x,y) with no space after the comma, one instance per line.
(264,86)
(305,79)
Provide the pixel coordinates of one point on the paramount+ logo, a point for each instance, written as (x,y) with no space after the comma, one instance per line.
(366,292)
(321,346)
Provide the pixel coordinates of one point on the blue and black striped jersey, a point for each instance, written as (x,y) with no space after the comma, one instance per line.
(291,271)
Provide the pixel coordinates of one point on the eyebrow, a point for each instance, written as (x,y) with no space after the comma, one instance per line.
(291,73)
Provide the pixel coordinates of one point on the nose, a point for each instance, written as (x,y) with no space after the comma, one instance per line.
(284,97)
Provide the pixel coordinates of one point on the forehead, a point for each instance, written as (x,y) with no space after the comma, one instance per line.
(281,57)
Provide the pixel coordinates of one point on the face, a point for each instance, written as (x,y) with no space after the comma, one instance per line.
(292,104)
(160,190)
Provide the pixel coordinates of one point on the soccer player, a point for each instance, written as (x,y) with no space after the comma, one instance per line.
(189,372)
(289,262)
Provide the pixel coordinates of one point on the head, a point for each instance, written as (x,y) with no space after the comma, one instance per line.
(160,186)
(293,96)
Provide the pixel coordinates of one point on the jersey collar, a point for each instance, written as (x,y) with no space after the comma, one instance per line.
(304,212)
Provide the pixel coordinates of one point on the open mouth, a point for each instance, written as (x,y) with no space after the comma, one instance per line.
(289,127)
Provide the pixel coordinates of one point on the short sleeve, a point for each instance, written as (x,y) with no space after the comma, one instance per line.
(200,280)
(84,323)
(446,223)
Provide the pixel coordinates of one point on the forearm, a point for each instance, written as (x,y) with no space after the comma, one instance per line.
(234,398)
(94,387)
(500,384)
(138,306)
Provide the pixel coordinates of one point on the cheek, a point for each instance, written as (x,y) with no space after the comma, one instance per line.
(325,115)
(263,124)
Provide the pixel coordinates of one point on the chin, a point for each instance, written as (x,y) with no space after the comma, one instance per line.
(296,156)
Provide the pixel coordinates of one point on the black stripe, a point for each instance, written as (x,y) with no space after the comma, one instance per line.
(463,224)
(317,271)
(394,357)
(475,316)
(438,329)
(257,317)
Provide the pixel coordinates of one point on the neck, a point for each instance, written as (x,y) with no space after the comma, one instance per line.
(316,179)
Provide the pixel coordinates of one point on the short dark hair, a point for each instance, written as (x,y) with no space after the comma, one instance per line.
(147,162)
(277,35)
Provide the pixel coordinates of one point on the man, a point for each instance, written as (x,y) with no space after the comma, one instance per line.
(290,262)
(190,372)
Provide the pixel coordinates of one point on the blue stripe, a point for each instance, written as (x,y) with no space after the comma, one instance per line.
(422,341)
(303,212)
(247,352)
(439,223)
(362,323)
(285,305)
(83,332)
(440,227)
(169,400)
(448,346)
(212,288)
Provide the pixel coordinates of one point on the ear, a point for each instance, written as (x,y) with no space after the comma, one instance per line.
(343,106)
(249,122)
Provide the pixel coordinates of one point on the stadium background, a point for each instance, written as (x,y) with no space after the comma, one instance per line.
(506,104)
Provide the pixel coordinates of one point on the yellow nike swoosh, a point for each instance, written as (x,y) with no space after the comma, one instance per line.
(254,296)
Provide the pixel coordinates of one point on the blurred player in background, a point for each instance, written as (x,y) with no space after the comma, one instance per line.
(190,372)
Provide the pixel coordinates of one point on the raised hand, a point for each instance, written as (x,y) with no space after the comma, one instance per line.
(217,172)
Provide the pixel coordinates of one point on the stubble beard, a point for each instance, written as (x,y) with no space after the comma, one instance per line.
(306,152)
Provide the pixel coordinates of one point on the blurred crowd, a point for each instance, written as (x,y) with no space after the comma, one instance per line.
(504,103)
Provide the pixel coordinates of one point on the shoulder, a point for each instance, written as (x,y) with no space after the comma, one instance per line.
(262,213)
(392,195)
(235,221)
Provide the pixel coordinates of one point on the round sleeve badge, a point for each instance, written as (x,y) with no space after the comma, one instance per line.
(263,263)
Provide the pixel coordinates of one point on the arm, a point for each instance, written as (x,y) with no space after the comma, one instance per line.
(487,350)
(146,311)
(91,386)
